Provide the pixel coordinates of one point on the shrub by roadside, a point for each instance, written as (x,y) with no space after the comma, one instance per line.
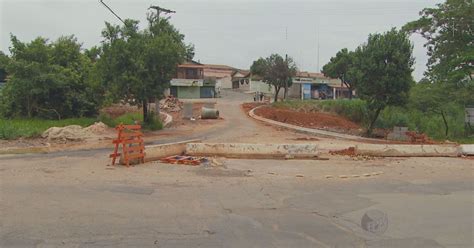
(129,119)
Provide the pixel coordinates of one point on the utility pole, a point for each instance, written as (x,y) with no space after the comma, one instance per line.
(159,10)
(166,11)
(287,78)
(286,62)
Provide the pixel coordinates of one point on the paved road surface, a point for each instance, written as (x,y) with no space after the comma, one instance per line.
(75,200)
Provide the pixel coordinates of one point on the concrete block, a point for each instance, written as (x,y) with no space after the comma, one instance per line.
(392,150)
(156,152)
(467,149)
(241,150)
(188,110)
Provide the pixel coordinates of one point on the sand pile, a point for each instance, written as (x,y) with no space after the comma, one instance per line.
(74,132)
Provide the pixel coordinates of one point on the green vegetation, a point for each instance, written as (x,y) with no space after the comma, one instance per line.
(414,119)
(131,118)
(57,83)
(30,128)
(275,71)
(137,65)
(380,71)
(27,128)
(48,80)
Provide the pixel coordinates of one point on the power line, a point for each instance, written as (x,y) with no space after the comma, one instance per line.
(101,1)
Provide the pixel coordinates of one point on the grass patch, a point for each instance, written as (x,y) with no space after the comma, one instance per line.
(28,128)
(31,128)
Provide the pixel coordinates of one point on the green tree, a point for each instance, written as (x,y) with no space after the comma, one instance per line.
(431,98)
(48,80)
(449,31)
(344,67)
(4,59)
(137,65)
(275,71)
(386,68)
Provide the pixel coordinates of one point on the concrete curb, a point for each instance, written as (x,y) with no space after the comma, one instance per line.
(156,152)
(241,150)
(308,130)
(394,150)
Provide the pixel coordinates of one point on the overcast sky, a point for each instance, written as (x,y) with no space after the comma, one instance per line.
(227,32)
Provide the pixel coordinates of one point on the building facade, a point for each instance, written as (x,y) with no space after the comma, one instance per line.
(311,85)
(190,82)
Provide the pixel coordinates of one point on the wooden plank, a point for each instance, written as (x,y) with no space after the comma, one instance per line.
(132,134)
(135,155)
(134,141)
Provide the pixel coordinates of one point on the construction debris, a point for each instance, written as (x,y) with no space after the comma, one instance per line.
(187,160)
(171,104)
(348,152)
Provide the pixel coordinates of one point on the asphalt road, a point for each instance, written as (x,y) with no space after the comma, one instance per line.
(77,201)
(72,199)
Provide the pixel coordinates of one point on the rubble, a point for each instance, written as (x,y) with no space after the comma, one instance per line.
(171,104)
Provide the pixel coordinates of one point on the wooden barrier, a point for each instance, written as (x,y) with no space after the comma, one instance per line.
(131,139)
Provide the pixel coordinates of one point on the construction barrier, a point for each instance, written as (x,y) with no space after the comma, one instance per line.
(131,139)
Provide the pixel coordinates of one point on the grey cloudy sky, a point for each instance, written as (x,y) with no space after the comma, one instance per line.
(227,32)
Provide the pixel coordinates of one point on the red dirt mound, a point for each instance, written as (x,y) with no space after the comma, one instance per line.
(309,120)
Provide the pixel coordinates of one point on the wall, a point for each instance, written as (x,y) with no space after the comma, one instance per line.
(260,86)
(189,92)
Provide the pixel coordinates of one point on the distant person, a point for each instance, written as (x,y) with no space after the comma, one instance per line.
(261,96)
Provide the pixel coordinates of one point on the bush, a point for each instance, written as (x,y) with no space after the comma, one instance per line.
(129,119)
(49,80)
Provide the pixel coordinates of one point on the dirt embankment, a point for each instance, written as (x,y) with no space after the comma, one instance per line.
(310,119)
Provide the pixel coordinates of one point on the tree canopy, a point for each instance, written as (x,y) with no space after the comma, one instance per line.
(49,80)
(386,68)
(449,31)
(275,71)
(4,59)
(343,66)
(137,65)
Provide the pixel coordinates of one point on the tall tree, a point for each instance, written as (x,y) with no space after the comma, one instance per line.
(449,31)
(386,70)
(344,67)
(4,59)
(49,80)
(137,65)
(275,71)
(429,97)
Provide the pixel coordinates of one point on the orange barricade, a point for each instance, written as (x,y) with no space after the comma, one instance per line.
(131,139)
